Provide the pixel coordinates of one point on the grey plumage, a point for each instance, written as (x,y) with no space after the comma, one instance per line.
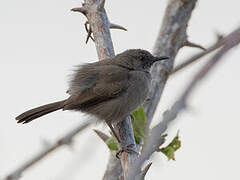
(109,89)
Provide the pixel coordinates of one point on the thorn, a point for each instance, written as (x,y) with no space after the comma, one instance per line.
(219,36)
(89,35)
(164,135)
(144,172)
(102,135)
(85,25)
(190,44)
(68,91)
(80,9)
(89,31)
(178,133)
(101,4)
(65,141)
(116,26)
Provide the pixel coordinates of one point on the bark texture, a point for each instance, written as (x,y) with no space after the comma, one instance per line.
(99,26)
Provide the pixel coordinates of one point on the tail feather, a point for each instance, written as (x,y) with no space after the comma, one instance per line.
(32,114)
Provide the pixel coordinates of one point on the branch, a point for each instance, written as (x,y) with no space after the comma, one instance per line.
(155,139)
(114,169)
(65,140)
(99,24)
(127,137)
(219,43)
(171,37)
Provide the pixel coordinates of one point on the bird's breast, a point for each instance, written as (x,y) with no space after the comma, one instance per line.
(139,84)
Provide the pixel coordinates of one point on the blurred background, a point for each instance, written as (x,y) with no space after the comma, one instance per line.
(42,41)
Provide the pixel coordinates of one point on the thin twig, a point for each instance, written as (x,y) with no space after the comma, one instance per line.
(196,57)
(65,140)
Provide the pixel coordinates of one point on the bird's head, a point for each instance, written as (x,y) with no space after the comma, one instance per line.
(138,59)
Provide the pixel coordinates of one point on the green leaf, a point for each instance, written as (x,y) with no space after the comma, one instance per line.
(171,148)
(112,144)
(138,122)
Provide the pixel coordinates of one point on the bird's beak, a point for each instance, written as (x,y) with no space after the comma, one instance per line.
(160,58)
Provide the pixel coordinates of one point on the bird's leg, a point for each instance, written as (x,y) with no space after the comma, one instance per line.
(114,132)
(128,148)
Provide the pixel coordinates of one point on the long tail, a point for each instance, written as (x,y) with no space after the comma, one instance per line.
(32,114)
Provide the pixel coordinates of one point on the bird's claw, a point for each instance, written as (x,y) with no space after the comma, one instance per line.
(128,149)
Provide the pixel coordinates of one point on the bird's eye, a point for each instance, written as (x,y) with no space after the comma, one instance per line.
(142,57)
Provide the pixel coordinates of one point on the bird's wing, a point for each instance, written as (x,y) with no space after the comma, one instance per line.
(112,81)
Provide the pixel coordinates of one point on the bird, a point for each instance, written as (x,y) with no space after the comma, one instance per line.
(109,89)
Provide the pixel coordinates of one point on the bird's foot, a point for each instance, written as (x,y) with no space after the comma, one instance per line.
(128,149)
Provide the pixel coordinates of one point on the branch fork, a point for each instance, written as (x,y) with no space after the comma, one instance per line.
(194,45)
(89,9)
